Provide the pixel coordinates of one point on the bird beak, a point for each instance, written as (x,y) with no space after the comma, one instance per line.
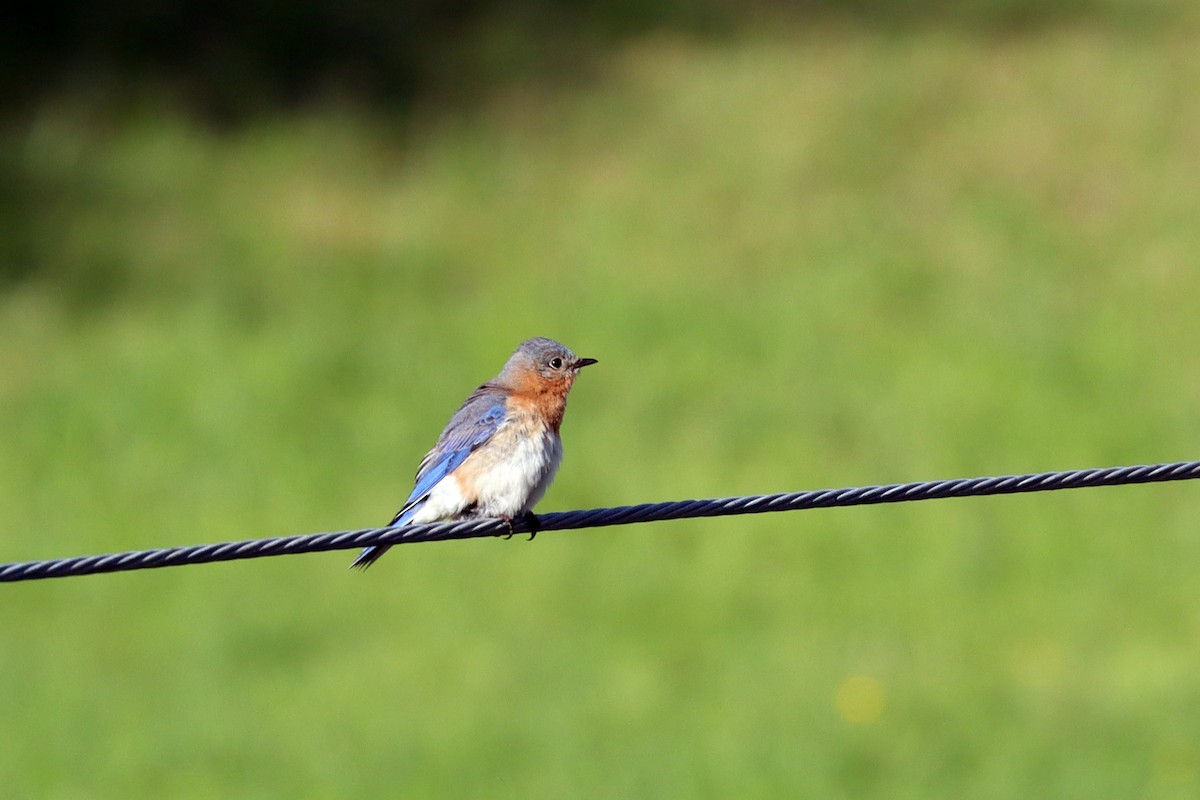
(580,363)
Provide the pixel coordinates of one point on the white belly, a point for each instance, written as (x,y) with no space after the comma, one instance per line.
(511,484)
(505,478)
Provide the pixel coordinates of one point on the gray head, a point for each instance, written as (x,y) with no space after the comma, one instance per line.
(543,361)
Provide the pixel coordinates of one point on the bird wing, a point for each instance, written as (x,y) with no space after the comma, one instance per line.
(469,429)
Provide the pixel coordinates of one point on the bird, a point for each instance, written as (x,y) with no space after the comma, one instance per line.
(499,452)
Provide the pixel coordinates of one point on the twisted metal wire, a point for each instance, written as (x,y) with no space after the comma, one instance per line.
(598,517)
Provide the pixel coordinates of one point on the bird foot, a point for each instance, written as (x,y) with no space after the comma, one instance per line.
(529,519)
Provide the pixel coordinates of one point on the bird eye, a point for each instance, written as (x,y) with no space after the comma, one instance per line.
(556,363)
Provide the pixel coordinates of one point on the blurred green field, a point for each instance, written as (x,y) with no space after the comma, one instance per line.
(805,258)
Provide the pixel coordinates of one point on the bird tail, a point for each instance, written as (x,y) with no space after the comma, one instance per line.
(370,555)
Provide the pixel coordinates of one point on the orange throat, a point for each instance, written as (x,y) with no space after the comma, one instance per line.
(547,400)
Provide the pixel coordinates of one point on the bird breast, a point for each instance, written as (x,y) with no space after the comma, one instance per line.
(509,475)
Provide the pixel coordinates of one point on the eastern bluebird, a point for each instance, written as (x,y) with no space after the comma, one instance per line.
(500,450)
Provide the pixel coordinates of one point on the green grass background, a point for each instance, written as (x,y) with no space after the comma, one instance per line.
(810,255)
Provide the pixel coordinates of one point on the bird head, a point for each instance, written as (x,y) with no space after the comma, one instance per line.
(545,362)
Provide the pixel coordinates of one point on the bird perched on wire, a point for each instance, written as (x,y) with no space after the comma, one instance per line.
(500,450)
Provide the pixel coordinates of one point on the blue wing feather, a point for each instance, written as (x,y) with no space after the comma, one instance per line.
(470,428)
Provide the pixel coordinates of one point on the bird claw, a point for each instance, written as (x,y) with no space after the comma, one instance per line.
(529,519)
